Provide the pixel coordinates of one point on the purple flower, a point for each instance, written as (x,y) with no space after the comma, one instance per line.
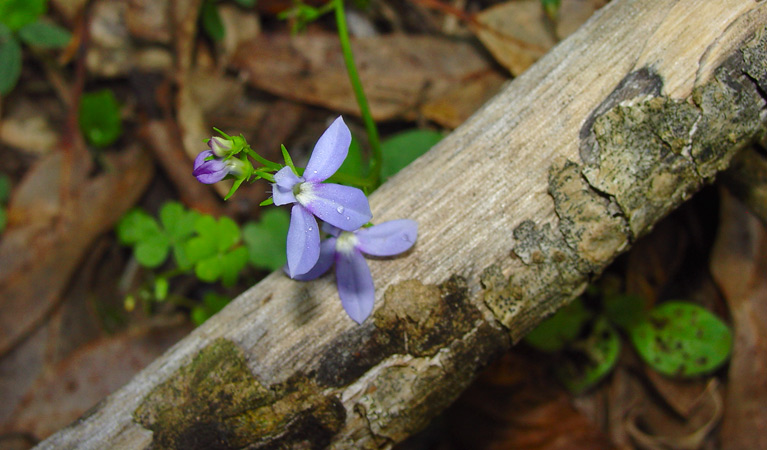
(355,284)
(215,169)
(341,206)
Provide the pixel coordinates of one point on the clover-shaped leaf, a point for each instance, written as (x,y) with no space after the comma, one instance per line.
(212,252)
(682,339)
(153,241)
(266,239)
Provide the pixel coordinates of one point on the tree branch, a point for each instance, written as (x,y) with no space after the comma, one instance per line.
(517,209)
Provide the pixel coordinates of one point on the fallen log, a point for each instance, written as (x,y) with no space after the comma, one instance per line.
(517,209)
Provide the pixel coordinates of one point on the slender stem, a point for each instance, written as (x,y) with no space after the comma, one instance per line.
(272,165)
(370,126)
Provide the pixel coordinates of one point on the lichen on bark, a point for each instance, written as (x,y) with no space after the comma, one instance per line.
(215,402)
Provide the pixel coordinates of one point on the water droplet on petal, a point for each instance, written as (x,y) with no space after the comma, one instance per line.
(310,228)
(340,209)
(347,217)
(315,171)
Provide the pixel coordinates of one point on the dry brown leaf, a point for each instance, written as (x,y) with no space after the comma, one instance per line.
(516,405)
(49,233)
(653,428)
(681,395)
(518,33)
(739,265)
(88,375)
(27,126)
(399,73)
(112,52)
(456,106)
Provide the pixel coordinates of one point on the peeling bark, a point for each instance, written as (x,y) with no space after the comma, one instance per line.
(518,209)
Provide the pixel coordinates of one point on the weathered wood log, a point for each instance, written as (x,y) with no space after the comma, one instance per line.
(518,209)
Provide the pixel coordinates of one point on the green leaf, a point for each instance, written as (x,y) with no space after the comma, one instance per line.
(554,333)
(177,221)
(402,149)
(152,251)
(551,8)
(209,269)
(682,339)
(16,13)
(100,120)
(598,354)
(161,287)
(211,21)
(135,226)
(212,303)
(199,248)
(3,219)
(227,233)
(232,264)
(624,310)
(200,315)
(353,165)
(5,188)
(10,60)
(215,302)
(266,239)
(45,35)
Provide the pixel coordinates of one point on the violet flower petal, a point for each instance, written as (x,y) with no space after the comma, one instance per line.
(329,152)
(355,285)
(282,188)
(201,158)
(303,244)
(209,172)
(326,259)
(387,239)
(342,206)
(330,229)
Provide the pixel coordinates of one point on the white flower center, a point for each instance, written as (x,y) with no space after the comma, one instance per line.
(304,193)
(346,242)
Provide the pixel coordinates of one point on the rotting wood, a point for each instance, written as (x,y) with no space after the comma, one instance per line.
(517,210)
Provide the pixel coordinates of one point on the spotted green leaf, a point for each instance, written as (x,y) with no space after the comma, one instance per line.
(682,339)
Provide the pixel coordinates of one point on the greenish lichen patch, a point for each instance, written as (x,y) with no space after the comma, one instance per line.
(415,319)
(755,58)
(554,273)
(590,224)
(426,318)
(215,402)
(641,160)
(404,397)
(642,154)
(733,112)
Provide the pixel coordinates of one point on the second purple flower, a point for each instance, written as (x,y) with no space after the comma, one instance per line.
(344,207)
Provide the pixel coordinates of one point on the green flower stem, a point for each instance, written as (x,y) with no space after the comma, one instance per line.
(354,78)
(265,162)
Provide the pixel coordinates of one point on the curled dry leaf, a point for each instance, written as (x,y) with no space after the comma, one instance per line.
(80,381)
(399,73)
(27,126)
(652,427)
(518,33)
(49,233)
(515,404)
(112,52)
(739,264)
